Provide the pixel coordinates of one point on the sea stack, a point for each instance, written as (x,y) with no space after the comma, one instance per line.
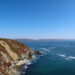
(38,52)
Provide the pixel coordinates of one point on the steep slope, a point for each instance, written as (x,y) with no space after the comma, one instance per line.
(12,55)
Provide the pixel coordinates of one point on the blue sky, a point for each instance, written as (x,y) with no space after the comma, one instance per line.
(37,19)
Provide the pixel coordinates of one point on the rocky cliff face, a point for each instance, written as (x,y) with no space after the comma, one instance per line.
(12,55)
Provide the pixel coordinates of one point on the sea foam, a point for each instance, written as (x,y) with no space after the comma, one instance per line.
(61,55)
(26,65)
(66,57)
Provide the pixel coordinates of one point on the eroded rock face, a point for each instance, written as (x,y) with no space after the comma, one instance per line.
(30,55)
(12,53)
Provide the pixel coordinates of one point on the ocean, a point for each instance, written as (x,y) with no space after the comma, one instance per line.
(58,58)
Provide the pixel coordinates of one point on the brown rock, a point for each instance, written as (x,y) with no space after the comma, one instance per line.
(30,55)
(38,52)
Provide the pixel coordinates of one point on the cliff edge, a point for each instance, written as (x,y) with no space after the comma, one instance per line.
(12,55)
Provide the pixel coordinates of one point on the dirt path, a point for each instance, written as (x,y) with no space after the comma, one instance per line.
(8,49)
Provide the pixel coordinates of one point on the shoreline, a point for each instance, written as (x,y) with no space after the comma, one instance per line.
(21,62)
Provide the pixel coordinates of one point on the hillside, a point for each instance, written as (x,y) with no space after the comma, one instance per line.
(12,55)
(41,40)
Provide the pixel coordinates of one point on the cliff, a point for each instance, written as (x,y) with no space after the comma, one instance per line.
(12,55)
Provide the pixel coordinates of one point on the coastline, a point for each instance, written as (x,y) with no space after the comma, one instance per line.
(13,54)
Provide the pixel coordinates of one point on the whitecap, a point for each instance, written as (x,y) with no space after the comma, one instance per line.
(44,50)
(25,66)
(34,57)
(28,62)
(66,57)
(61,55)
(70,57)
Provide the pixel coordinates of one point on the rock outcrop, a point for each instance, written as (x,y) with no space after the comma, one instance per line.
(38,52)
(12,55)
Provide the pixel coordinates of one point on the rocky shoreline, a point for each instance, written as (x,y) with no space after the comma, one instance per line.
(13,54)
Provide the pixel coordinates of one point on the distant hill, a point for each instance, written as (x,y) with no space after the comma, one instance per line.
(42,40)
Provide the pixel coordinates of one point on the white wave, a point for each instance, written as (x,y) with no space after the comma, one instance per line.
(34,57)
(28,63)
(44,50)
(66,57)
(71,57)
(61,55)
(47,49)
(25,66)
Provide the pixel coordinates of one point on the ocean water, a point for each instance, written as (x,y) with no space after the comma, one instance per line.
(58,59)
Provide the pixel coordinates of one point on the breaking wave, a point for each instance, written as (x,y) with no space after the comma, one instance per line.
(70,58)
(26,65)
(66,57)
(61,55)
(44,51)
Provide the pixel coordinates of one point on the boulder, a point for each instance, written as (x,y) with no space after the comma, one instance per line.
(38,52)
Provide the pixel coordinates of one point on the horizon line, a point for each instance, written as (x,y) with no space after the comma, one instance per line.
(40,38)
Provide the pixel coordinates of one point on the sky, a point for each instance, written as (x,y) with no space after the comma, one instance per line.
(37,19)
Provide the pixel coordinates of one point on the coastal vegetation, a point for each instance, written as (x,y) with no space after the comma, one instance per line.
(12,55)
